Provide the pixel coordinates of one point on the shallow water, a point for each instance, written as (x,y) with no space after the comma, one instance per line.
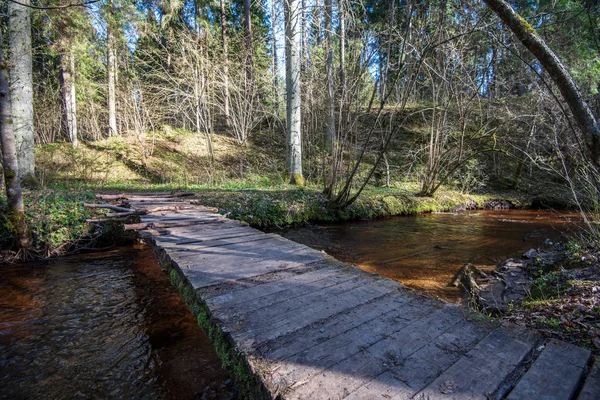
(426,251)
(103,325)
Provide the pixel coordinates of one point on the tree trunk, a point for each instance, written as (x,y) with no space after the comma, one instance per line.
(275,61)
(342,17)
(248,38)
(111,72)
(16,209)
(67,63)
(385,70)
(303,52)
(556,70)
(21,85)
(330,133)
(292,80)
(225,65)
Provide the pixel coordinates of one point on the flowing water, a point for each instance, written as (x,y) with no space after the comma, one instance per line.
(105,325)
(110,325)
(426,251)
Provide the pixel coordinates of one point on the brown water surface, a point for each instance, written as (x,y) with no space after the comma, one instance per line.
(105,325)
(426,251)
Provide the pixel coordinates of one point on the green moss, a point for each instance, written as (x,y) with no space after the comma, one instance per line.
(9,173)
(298,180)
(526,25)
(250,386)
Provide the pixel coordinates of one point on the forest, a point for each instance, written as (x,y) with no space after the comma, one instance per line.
(319,120)
(344,109)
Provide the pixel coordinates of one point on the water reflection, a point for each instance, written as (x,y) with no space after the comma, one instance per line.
(102,325)
(426,251)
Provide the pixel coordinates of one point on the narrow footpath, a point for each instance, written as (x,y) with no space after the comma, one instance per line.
(292,322)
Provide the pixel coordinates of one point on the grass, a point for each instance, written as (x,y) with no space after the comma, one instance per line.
(248,183)
(56,219)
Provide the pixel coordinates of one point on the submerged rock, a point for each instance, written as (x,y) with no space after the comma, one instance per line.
(530,254)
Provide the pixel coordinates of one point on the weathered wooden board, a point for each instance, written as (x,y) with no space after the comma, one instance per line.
(554,375)
(361,368)
(591,387)
(272,293)
(314,328)
(477,374)
(302,339)
(304,365)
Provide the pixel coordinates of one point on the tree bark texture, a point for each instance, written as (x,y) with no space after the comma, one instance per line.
(21,85)
(556,70)
(274,60)
(111,65)
(330,133)
(67,62)
(225,65)
(248,38)
(342,23)
(16,209)
(292,78)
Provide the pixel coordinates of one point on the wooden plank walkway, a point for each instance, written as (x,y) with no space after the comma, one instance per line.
(294,323)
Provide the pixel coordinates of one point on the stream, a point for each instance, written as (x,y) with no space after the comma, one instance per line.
(102,325)
(110,325)
(426,251)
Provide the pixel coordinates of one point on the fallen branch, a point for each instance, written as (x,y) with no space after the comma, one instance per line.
(111,196)
(124,214)
(98,220)
(158,225)
(108,206)
(144,197)
(144,211)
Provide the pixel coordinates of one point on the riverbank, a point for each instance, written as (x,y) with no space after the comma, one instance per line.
(57,217)
(57,221)
(554,289)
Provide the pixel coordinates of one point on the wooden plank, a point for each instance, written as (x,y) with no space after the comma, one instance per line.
(221,234)
(347,376)
(321,331)
(477,374)
(270,307)
(299,318)
(554,375)
(241,256)
(272,292)
(304,365)
(220,266)
(422,367)
(278,306)
(218,242)
(271,248)
(188,230)
(183,214)
(591,387)
(199,278)
(201,235)
(387,385)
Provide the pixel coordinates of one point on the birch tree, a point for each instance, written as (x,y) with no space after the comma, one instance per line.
(67,79)
(16,209)
(111,67)
(225,64)
(292,80)
(21,85)
(248,39)
(330,133)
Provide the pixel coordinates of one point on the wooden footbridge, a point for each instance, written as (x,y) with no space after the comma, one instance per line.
(294,323)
